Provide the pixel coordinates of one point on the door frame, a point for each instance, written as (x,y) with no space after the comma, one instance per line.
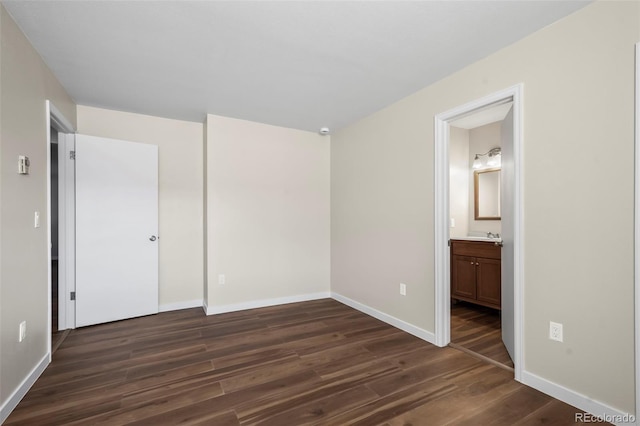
(66,249)
(442,260)
(636,234)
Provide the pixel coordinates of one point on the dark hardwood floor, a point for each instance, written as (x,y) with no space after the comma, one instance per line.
(316,362)
(477,329)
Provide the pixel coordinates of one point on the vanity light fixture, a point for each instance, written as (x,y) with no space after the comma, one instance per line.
(477,163)
(494,158)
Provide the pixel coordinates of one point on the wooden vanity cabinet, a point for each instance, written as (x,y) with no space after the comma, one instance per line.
(475,272)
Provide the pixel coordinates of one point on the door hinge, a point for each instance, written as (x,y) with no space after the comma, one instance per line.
(72,155)
(73,295)
(449,243)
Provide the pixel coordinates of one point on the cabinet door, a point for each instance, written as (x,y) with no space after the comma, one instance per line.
(463,276)
(488,281)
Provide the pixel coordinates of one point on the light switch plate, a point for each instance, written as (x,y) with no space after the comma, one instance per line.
(22,331)
(23,165)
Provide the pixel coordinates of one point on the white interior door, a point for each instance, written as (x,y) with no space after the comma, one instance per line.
(66,231)
(507,196)
(116,230)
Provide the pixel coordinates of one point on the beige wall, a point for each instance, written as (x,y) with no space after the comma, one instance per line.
(578,97)
(180,211)
(481,140)
(459,189)
(25,84)
(268,212)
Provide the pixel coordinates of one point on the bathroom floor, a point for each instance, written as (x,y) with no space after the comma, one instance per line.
(477,329)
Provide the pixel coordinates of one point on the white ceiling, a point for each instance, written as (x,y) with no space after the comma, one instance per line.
(299,64)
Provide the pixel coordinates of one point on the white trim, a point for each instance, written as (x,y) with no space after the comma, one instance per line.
(48,121)
(441,215)
(391,320)
(205,306)
(12,402)
(58,120)
(576,399)
(176,306)
(518,230)
(67,227)
(636,239)
(263,303)
(442,279)
(66,231)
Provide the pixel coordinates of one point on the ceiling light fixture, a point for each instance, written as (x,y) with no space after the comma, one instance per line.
(494,158)
(324,131)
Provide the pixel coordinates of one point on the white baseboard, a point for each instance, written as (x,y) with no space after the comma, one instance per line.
(397,323)
(597,409)
(263,303)
(205,306)
(12,402)
(197,303)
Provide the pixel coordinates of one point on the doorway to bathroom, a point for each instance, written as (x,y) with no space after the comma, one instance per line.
(475,227)
(479,274)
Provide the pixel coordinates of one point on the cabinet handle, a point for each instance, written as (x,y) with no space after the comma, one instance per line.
(472,263)
(477,264)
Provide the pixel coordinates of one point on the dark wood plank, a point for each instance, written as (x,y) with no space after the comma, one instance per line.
(316,362)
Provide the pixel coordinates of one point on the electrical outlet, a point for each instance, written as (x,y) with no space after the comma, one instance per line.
(22,332)
(221,279)
(555,331)
(403,289)
(36,219)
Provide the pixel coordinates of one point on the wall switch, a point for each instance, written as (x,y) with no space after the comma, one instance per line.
(403,289)
(22,332)
(221,279)
(36,220)
(23,165)
(453,222)
(555,331)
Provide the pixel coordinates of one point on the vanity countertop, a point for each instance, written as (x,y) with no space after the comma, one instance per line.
(487,239)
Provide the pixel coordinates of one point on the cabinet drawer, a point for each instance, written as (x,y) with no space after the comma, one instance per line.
(484,249)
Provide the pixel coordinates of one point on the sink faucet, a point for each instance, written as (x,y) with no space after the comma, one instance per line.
(492,235)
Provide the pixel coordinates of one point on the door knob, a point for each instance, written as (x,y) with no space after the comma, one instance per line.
(152,238)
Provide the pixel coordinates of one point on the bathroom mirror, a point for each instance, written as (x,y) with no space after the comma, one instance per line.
(486,188)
